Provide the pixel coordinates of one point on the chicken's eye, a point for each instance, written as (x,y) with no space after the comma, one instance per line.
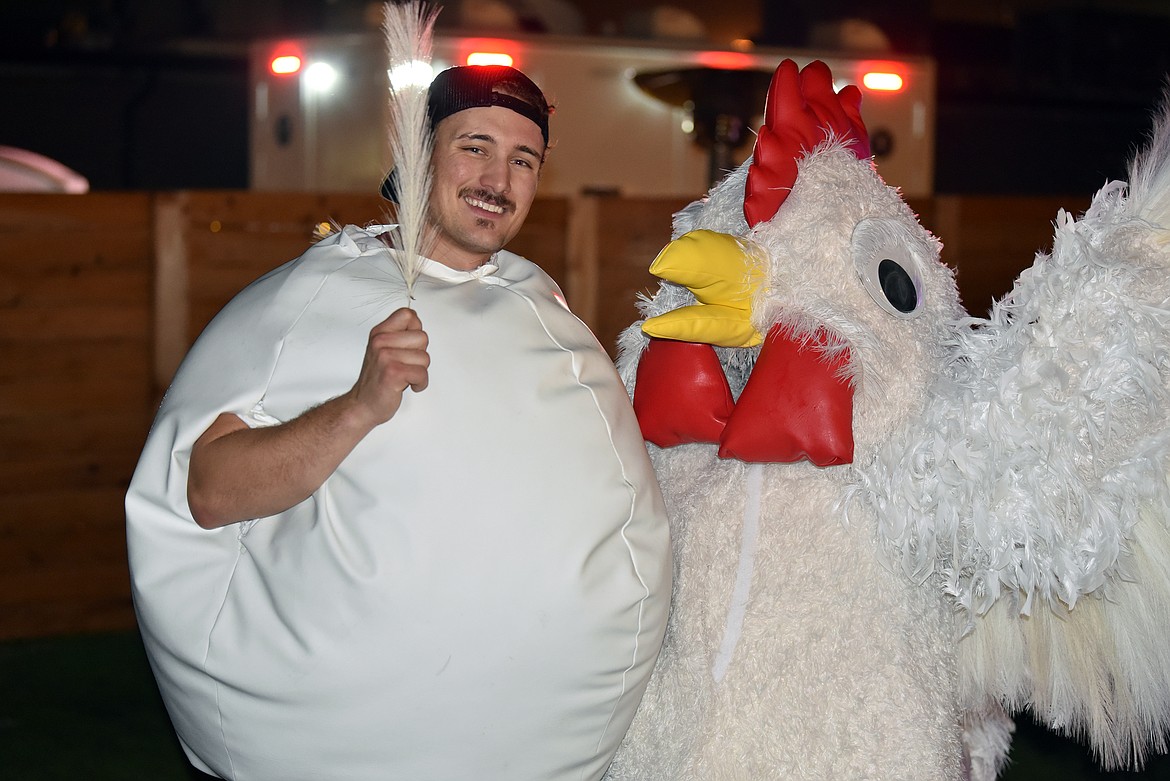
(897,286)
(886,256)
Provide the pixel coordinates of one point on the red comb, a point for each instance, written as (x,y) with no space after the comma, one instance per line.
(802,110)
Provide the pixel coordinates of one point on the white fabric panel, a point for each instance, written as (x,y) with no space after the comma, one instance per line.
(479,591)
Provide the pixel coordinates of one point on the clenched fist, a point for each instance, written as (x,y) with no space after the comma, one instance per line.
(396,359)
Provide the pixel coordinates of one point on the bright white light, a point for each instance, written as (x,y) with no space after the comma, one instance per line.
(412,74)
(320,77)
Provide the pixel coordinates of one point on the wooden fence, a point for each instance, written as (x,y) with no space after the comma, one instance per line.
(75,401)
(100,295)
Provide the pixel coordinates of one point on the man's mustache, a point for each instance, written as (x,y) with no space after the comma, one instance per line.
(487,196)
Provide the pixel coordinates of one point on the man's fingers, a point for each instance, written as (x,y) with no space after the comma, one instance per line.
(404,319)
(403,368)
(401,330)
(417,377)
(399,340)
(396,359)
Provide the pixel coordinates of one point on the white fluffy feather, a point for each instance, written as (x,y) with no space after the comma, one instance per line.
(408,29)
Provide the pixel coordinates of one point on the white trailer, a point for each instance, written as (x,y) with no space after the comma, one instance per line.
(320,126)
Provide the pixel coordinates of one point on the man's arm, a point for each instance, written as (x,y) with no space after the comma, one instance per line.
(238,473)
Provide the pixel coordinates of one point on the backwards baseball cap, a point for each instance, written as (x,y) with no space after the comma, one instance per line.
(481,86)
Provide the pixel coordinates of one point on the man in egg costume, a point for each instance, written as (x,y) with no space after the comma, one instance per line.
(428,545)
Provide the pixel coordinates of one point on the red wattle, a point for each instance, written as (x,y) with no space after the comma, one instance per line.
(795,406)
(681,394)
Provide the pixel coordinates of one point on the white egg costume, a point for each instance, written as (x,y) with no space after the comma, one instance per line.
(478,591)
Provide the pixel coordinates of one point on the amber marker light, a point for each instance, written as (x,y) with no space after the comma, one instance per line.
(882,81)
(489,58)
(285,64)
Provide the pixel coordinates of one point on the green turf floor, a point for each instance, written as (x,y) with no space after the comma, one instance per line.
(86,708)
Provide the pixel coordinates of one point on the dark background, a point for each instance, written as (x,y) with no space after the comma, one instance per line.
(1034,96)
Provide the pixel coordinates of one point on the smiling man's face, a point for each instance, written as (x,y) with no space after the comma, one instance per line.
(486,165)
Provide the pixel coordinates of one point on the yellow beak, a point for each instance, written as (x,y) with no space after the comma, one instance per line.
(724,274)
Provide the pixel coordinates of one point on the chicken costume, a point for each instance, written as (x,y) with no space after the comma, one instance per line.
(893,523)
(478,591)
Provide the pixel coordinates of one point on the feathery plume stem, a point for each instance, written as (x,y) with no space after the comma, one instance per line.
(408,29)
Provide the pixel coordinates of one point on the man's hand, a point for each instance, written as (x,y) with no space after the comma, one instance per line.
(396,359)
(237,472)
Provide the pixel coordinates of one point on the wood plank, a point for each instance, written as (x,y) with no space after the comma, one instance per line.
(22,514)
(86,581)
(29,360)
(233,208)
(32,439)
(30,254)
(583,261)
(91,430)
(258,250)
(26,515)
(50,213)
(35,554)
(989,240)
(125,287)
(544,239)
(74,615)
(82,323)
(171,289)
(634,231)
(111,466)
(80,392)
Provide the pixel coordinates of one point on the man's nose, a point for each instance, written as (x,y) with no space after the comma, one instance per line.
(497,176)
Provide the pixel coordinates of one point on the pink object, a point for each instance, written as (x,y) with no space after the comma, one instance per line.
(22,171)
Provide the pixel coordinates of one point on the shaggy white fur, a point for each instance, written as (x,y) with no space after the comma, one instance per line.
(1000,541)
(829,642)
(1033,488)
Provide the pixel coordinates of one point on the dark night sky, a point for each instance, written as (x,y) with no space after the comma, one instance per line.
(1034,97)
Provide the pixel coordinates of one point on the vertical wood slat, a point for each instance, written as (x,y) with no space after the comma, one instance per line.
(629,233)
(584,260)
(171,299)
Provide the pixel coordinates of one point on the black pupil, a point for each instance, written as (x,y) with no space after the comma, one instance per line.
(897,286)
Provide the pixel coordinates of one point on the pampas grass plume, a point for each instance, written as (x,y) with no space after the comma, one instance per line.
(408,29)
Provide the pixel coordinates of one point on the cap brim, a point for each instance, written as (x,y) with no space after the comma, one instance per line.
(389,189)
